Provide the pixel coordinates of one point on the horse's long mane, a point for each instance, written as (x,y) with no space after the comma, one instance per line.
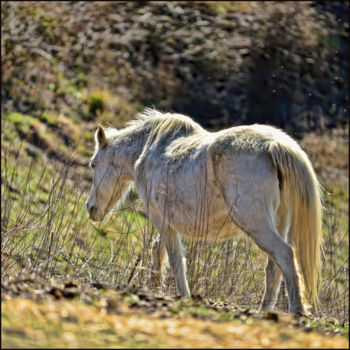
(164,126)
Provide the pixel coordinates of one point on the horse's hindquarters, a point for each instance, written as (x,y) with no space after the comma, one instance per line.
(250,188)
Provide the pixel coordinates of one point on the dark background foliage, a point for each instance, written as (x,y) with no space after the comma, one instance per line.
(223,63)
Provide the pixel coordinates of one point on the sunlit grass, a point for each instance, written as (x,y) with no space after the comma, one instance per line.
(71,324)
(45,227)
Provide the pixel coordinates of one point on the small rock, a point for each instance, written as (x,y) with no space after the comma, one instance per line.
(272,316)
(308,328)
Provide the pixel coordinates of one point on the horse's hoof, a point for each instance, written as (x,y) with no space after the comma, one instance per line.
(266,307)
(153,282)
(297,314)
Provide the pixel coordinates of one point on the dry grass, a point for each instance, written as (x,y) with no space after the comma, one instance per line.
(71,324)
(45,228)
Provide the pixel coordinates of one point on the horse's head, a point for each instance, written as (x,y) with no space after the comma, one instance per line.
(109,181)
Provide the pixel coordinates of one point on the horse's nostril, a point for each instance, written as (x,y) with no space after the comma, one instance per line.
(92,209)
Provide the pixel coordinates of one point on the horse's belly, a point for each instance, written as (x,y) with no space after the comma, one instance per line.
(211,227)
(196,209)
(186,198)
(212,233)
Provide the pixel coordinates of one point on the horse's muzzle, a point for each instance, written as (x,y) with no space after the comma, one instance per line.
(93,212)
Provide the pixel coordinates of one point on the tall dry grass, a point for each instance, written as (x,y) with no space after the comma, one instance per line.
(45,229)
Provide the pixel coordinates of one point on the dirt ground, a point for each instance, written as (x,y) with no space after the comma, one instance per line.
(38,315)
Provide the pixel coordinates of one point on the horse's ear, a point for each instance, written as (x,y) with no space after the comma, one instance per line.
(100,137)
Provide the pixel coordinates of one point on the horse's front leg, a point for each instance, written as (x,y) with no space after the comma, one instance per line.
(177,261)
(159,257)
(173,245)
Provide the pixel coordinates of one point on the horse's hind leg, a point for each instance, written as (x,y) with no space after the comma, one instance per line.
(252,206)
(159,257)
(272,285)
(272,271)
(270,241)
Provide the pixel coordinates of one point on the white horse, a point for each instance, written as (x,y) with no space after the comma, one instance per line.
(208,185)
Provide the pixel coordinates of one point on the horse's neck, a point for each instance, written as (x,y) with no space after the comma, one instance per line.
(129,145)
(131,142)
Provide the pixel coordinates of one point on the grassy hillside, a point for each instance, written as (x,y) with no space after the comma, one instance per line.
(46,230)
(46,226)
(224,63)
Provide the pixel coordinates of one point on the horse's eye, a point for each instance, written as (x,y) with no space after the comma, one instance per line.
(92,165)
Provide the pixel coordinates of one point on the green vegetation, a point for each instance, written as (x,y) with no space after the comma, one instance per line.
(48,118)
(44,218)
(43,211)
(23,123)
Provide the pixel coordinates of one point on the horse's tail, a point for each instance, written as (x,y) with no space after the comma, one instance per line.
(301,193)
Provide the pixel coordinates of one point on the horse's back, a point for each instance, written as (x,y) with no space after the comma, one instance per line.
(246,139)
(241,147)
